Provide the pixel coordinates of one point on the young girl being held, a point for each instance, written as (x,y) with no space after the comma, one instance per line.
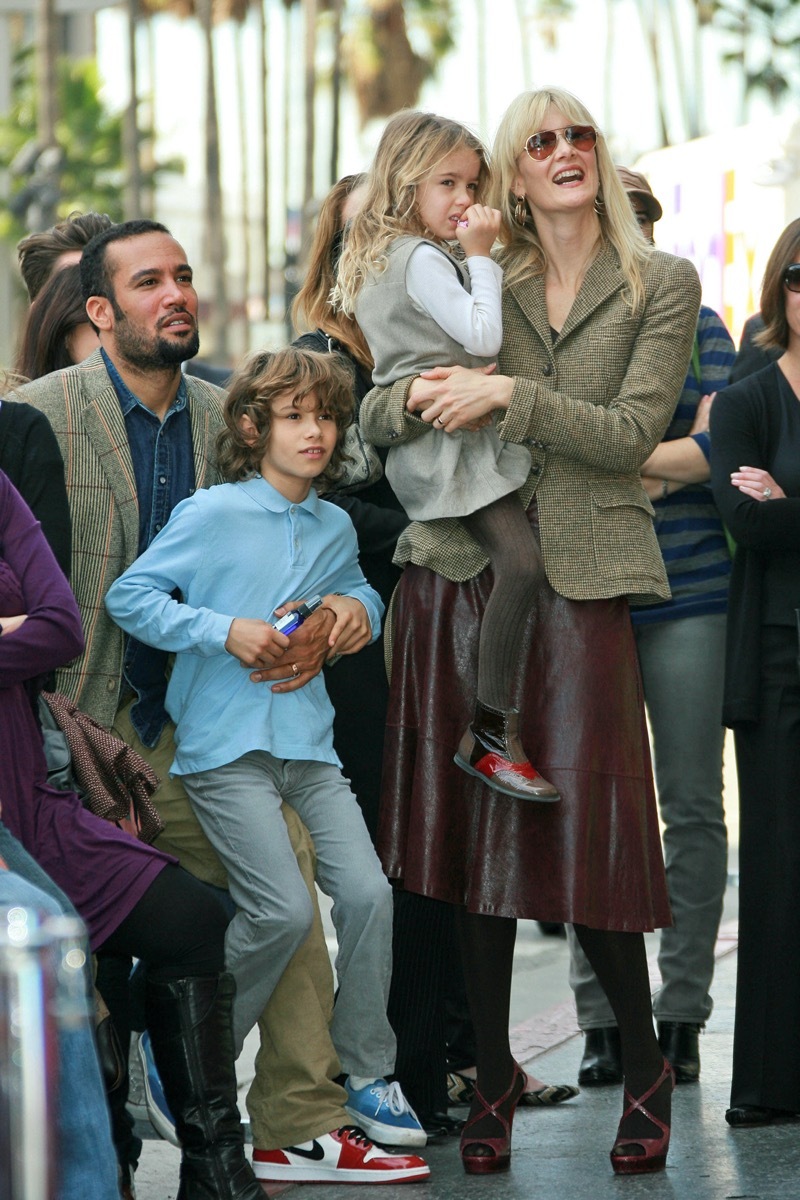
(419,307)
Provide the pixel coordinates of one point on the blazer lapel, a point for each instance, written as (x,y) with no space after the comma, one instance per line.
(104,426)
(602,280)
(200,417)
(529,295)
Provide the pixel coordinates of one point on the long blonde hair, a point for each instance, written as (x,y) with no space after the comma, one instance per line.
(312,307)
(524,254)
(411,147)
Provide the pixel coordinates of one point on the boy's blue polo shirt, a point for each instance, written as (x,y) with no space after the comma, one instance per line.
(239,550)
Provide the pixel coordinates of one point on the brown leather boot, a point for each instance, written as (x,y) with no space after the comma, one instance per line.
(492,751)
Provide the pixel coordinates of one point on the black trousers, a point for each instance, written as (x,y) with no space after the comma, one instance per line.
(766,1046)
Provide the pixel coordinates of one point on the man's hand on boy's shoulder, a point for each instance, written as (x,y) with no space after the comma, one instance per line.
(352,630)
(308,648)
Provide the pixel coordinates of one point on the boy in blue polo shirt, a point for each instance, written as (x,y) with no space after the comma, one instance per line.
(206,588)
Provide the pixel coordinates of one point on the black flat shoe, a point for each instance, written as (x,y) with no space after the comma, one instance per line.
(679,1045)
(744,1115)
(440,1125)
(601,1065)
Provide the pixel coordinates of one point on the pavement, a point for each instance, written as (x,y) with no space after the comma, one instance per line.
(563,1151)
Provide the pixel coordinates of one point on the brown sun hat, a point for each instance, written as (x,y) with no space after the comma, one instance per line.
(635,184)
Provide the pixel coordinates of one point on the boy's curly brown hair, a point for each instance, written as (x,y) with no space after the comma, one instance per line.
(260,380)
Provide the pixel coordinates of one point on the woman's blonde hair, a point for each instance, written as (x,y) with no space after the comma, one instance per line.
(260,380)
(312,307)
(412,146)
(775,334)
(523,254)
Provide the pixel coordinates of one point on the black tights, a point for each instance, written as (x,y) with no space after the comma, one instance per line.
(177,927)
(502,529)
(620,963)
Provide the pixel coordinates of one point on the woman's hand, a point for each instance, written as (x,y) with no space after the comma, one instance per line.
(700,423)
(10,624)
(459,397)
(757,484)
(352,629)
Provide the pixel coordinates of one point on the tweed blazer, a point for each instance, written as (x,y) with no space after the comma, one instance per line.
(591,407)
(83,408)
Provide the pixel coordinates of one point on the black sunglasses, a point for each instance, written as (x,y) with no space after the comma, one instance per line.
(542,144)
(791,277)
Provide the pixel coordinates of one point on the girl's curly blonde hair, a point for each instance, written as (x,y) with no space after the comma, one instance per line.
(411,147)
(260,380)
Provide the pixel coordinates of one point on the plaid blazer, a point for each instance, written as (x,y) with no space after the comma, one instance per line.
(591,408)
(82,406)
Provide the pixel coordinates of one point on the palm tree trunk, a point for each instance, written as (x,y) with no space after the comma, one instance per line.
(608,74)
(688,99)
(646,18)
(263,114)
(46,37)
(244,176)
(214,219)
(132,203)
(336,89)
(309,95)
(524,43)
(483,106)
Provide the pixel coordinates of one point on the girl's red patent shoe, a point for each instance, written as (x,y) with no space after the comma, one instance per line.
(485,1155)
(654,1156)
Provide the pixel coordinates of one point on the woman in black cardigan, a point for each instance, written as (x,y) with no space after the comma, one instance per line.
(755,472)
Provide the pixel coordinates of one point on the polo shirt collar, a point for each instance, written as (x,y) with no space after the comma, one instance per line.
(263,493)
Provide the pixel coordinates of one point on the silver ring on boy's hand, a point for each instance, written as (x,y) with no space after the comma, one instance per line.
(767,492)
(440,422)
(295,670)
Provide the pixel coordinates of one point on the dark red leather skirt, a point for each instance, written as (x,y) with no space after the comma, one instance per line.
(595,856)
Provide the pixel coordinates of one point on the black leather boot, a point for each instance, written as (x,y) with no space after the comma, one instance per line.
(192,1037)
(491,749)
(679,1045)
(601,1064)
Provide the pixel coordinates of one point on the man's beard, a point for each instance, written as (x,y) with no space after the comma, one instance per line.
(154,353)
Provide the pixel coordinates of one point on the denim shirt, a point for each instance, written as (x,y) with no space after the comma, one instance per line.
(163,465)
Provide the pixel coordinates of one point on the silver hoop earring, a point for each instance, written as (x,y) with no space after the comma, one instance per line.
(521,211)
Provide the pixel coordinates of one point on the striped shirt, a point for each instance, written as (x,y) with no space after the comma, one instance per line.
(687,523)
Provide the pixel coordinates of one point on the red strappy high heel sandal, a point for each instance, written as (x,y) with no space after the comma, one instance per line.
(655,1149)
(499,1156)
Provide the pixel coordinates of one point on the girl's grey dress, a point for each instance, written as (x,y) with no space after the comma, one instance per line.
(433,474)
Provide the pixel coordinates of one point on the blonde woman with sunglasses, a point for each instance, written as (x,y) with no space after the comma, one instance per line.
(597,336)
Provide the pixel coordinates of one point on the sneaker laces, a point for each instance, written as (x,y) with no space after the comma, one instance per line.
(391,1095)
(352,1133)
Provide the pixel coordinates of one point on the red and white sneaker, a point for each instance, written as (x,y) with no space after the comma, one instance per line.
(342,1156)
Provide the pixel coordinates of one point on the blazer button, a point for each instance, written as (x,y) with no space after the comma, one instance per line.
(394,435)
(535,469)
(547,369)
